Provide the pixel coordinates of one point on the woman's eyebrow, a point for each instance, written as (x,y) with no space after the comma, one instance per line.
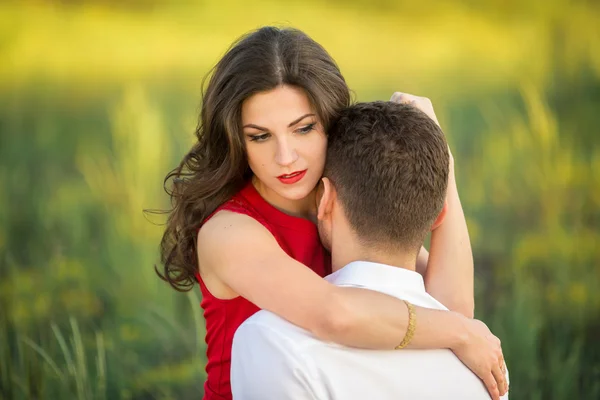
(300,119)
(260,128)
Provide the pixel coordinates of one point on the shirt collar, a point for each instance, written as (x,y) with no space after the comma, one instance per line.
(370,275)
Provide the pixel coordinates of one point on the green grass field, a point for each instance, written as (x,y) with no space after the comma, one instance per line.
(98,100)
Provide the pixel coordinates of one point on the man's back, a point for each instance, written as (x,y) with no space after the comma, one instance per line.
(273,359)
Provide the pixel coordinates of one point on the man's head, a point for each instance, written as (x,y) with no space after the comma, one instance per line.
(385,178)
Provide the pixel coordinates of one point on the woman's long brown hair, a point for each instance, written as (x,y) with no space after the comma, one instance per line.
(216,167)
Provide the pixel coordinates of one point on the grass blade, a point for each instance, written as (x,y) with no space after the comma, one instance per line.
(45,356)
(101,366)
(64,348)
(81,380)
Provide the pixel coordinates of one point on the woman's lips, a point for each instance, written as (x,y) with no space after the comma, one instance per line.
(294,177)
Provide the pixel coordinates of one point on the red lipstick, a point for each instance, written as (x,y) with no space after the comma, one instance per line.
(294,177)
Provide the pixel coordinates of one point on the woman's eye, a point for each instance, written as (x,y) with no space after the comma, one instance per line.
(307,128)
(259,138)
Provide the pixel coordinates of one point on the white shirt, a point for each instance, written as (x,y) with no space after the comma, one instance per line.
(273,359)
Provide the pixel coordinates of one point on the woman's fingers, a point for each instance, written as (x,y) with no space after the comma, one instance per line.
(492,386)
(422,103)
(403,98)
(504,374)
(500,379)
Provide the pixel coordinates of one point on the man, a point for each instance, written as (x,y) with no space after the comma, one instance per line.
(383,190)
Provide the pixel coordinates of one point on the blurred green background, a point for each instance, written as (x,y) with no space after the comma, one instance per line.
(99,99)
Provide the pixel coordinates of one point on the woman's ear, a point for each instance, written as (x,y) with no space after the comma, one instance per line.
(440,218)
(325,197)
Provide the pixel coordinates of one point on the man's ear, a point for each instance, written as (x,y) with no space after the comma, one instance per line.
(327,194)
(440,218)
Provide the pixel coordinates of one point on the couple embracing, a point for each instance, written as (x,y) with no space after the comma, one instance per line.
(295,202)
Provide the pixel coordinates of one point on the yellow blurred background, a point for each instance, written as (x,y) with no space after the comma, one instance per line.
(99,99)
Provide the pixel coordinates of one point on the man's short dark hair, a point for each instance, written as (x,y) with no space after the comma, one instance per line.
(389,164)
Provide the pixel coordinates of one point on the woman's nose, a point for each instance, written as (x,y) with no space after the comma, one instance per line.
(286,153)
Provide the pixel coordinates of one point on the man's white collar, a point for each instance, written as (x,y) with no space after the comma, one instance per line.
(370,275)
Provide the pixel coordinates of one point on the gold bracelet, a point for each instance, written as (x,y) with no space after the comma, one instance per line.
(412,323)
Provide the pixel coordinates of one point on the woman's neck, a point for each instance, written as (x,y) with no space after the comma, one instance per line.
(304,208)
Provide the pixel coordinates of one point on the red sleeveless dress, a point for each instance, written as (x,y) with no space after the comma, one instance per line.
(298,237)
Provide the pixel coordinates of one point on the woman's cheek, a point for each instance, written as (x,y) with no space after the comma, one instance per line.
(321,154)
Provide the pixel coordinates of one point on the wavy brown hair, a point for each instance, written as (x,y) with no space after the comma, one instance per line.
(216,167)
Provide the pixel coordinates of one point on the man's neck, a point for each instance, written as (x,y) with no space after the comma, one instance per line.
(358,252)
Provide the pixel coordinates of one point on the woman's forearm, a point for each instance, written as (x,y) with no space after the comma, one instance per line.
(449,275)
(374,320)
(368,319)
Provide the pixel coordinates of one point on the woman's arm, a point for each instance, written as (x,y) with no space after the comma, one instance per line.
(449,275)
(449,268)
(244,256)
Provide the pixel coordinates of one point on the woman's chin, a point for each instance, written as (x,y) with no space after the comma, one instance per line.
(296,193)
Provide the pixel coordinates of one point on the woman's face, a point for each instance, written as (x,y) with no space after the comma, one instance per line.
(285,143)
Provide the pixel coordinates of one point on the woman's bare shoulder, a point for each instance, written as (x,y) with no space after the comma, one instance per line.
(228,233)
(225,221)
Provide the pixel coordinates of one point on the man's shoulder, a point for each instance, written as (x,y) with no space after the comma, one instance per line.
(266,319)
(269,360)
(266,323)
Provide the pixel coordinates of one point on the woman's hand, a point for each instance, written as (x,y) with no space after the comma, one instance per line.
(422,103)
(482,353)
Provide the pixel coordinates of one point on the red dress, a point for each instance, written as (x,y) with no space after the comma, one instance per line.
(298,237)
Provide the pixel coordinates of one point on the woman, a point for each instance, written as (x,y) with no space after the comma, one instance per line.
(242,223)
